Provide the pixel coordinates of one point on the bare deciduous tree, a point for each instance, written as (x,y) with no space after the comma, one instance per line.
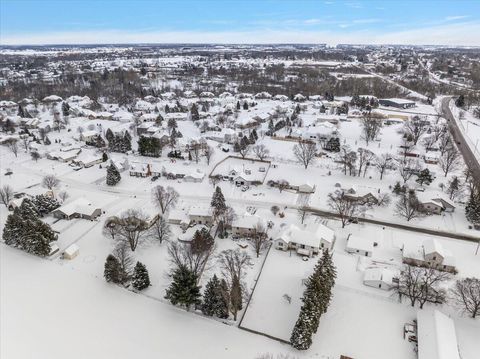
(347,158)
(408,206)
(305,153)
(365,159)
(6,194)
(123,256)
(12,145)
(132,227)
(407,168)
(421,285)
(234,262)
(466,294)
(160,230)
(50,182)
(415,128)
(260,151)
(345,208)
(63,196)
(183,255)
(208,153)
(450,159)
(371,125)
(303,212)
(164,198)
(383,163)
(259,238)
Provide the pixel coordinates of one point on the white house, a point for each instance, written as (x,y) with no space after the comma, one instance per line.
(359,245)
(380,277)
(78,208)
(200,215)
(306,240)
(246,225)
(436,335)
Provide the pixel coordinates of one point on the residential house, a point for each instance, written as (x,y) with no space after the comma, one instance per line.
(77,208)
(359,245)
(306,240)
(381,277)
(200,215)
(431,253)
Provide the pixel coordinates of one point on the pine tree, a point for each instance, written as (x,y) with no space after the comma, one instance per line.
(113,176)
(113,270)
(99,142)
(194,113)
(238,105)
(472,209)
(424,177)
(47,141)
(65,109)
(245,105)
(301,338)
(13,229)
(141,280)
(453,187)
(21,112)
(104,157)
(184,289)
(110,137)
(127,142)
(45,204)
(213,299)
(255,134)
(218,200)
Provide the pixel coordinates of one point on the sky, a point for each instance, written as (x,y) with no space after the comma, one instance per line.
(416,22)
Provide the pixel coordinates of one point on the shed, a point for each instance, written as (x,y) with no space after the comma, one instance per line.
(71,252)
(359,245)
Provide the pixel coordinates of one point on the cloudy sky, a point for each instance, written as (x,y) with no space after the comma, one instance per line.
(441,22)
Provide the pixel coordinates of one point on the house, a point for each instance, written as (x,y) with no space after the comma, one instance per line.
(306,240)
(435,204)
(140,169)
(179,218)
(397,103)
(199,215)
(244,226)
(194,177)
(436,335)
(63,156)
(431,254)
(362,195)
(359,245)
(89,159)
(78,208)
(380,277)
(306,188)
(71,252)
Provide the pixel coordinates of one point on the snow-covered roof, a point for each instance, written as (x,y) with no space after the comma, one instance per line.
(361,243)
(78,205)
(72,249)
(380,274)
(436,334)
(307,235)
(247,221)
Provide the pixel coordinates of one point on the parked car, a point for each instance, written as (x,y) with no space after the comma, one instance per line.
(154,178)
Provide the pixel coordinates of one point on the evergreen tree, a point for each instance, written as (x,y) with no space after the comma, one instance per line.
(110,138)
(127,142)
(238,105)
(271,127)
(65,109)
(460,101)
(453,187)
(104,157)
(472,209)
(245,105)
(213,299)
(99,142)
(13,229)
(113,270)
(21,112)
(141,280)
(194,113)
(113,176)
(202,241)
(424,177)
(255,134)
(301,338)
(251,138)
(184,289)
(45,204)
(47,141)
